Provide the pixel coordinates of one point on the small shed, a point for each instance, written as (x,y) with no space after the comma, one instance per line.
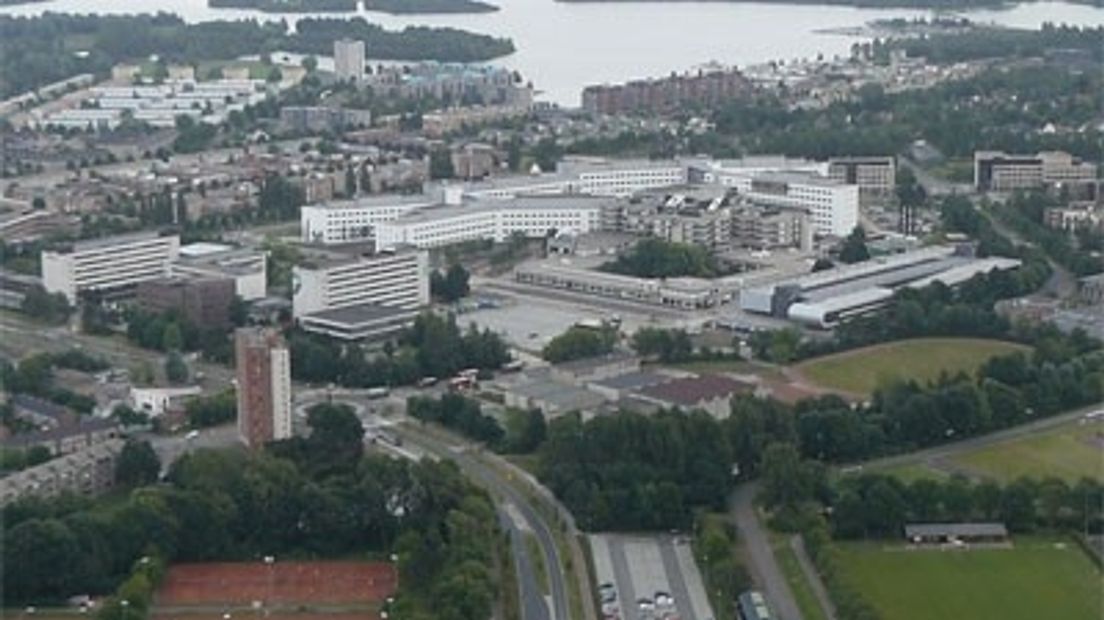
(938,533)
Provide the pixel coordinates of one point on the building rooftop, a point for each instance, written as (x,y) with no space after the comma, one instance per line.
(107,242)
(690,391)
(632,380)
(359,314)
(203,248)
(956,530)
(589,364)
(388,200)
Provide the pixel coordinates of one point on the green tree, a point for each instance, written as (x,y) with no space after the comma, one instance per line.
(137,464)
(440,164)
(854,247)
(580,342)
(176,369)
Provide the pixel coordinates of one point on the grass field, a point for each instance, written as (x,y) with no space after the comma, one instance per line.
(1037,579)
(1069,452)
(922,359)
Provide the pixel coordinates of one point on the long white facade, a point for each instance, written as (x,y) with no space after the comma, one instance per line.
(398,280)
(109,263)
(354,220)
(531,216)
(833,206)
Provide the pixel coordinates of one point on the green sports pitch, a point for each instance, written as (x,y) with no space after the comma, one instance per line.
(1036,578)
(861,371)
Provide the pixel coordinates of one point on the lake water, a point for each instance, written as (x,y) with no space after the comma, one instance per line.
(563,47)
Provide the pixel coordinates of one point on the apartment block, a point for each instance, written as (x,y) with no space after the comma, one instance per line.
(1002,172)
(704,88)
(396,279)
(874,175)
(88,471)
(349,60)
(109,265)
(264,386)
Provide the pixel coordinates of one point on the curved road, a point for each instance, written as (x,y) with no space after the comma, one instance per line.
(513,505)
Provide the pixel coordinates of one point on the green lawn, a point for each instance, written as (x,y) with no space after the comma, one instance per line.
(922,359)
(1039,578)
(1069,452)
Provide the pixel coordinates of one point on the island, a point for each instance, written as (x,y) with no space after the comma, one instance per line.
(951,5)
(425,7)
(288,6)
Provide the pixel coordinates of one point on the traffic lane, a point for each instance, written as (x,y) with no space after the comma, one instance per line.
(533,606)
(493,482)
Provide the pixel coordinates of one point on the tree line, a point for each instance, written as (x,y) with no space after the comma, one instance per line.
(40,47)
(523,432)
(313,498)
(433,347)
(879,506)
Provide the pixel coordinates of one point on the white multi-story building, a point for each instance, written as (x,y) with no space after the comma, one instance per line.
(109,263)
(590,176)
(396,280)
(532,216)
(354,220)
(349,60)
(600,177)
(833,206)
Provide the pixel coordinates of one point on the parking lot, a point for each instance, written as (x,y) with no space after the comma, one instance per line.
(652,578)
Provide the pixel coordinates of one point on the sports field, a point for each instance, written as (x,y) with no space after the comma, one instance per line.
(285,590)
(1069,452)
(1037,578)
(922,359)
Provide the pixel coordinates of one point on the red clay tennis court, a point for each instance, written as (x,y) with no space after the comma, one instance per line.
(241,583)
(275,616)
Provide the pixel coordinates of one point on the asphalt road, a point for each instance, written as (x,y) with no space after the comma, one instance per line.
(534,606)
(764,567)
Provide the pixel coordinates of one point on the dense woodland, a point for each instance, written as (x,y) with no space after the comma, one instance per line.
(317,497)
(42,50)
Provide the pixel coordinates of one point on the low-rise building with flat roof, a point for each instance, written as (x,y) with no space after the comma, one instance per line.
(938,533)
(359,322)
(247,268)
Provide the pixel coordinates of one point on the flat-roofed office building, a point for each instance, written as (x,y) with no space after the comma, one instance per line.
(109,264)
